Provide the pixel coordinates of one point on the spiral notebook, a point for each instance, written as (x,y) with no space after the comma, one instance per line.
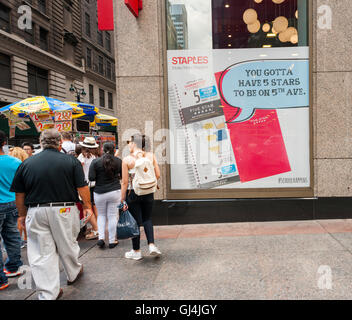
(204,139)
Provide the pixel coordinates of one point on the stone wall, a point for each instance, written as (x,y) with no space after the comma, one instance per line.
(140,87)
(332,92)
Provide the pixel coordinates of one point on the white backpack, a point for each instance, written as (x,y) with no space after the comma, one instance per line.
(144,181)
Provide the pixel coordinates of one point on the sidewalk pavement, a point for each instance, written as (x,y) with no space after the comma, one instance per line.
(270,260)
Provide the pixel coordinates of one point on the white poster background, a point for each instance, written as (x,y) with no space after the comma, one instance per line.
(294,122)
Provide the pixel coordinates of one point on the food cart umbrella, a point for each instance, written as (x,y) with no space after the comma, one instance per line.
(88,109)
(105,120)
(39,104)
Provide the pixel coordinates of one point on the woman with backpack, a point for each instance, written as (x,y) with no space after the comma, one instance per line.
(140,174)
(106,171)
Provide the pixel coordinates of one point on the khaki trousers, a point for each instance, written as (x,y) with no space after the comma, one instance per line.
(52,233)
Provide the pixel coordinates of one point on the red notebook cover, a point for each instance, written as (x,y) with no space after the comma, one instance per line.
(105,15)
(257,143)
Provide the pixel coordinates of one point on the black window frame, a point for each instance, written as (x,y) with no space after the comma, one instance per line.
(100,38)
(5,71)
(87,25)
(35,74)
(110,101)
(108,69)
(91,93)
(101,98)
(5,24)
(42,6)
(108,41)
(89,58)
(101,65)
(44,45)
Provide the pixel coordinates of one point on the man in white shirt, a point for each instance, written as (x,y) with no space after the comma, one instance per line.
(68,146)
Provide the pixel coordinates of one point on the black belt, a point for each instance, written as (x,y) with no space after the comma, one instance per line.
(54,204)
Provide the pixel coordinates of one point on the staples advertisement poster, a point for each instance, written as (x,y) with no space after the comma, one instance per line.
(239,118)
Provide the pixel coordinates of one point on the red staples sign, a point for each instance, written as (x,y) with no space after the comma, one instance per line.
(134,6)
(105,15)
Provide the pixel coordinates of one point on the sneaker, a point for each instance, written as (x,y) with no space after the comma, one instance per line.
(92,235)
(101,244)
(12,274)
(3,286)
(24,244)
(154,251)
(135,255)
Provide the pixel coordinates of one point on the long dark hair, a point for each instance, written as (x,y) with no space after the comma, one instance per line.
(108,159)
(89,152)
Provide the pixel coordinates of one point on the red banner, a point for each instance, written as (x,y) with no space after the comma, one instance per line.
(105,15)
(135,6)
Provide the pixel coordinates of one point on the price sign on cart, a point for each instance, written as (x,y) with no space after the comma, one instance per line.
(63,126)
(63,116)
(44,125)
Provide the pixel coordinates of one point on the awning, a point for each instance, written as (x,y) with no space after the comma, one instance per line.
(105,120)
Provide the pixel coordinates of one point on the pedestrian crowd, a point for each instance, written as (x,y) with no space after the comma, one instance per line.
(47,199)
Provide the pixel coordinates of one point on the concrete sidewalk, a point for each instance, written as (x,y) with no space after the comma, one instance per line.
(271,260)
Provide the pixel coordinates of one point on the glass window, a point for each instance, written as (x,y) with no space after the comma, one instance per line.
(43,38)
(222,24)
(5,71)
(42,5)
(238,94)
(89,58)
(38,83)
(4,18)
(87,24)
(110,101)
(101,98)
(100,65)
(108,41)
(91,94)
(100,38)
(108,69)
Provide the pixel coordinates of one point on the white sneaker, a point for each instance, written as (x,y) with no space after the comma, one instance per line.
(154,251)
(135,255)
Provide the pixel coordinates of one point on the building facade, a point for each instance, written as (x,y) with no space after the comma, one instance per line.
(45,50)
(268,83)
(98,51)
(43,56)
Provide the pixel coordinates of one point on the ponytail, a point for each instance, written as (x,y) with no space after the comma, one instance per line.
(108,159)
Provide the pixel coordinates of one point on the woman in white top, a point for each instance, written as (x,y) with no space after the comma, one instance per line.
(89,153)
(140,206)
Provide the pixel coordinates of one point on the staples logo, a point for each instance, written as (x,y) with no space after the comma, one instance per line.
(190,60)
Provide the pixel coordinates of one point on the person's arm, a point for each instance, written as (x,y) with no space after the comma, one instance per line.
(80,158)
(82,188)
(21,208)
(85,195)
(124,180)
(92,174)
(156,167)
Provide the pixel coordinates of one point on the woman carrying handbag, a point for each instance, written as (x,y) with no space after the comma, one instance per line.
(106,172)
(140,174)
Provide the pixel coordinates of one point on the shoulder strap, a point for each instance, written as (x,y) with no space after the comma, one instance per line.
(63,150)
